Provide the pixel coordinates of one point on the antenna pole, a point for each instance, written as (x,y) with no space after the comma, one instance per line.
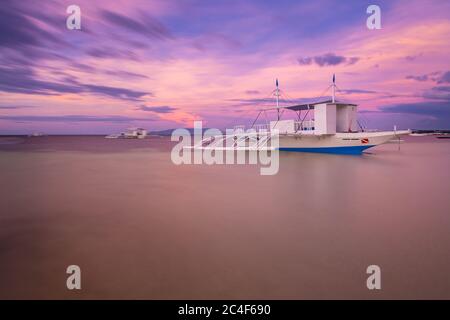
(277,94)
(333,90)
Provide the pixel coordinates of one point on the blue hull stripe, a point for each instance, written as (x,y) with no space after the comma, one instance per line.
(337,150)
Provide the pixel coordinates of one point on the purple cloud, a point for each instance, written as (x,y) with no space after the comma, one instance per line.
(125,74)
(114,92)
(438,93)
(14,107)
(352,91)
(328,59)
(305,61)
(352,60)
(442,88)
(22,80)
(252,92)
(158,109)
(435,109)
(110,53)
(445,78)
(148,26)
(18,31)
(421,78)
(89,69)
(433,76)
(72,118)
(412,58)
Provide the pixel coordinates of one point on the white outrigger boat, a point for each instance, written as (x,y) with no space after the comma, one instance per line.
(131,133)
(332,127)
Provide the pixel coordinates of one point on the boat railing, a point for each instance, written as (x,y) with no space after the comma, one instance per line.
(238,129)
(261,127)
(306,125)
(255,128)
(248,140)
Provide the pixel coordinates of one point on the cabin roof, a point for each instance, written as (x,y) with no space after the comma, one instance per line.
(308,106)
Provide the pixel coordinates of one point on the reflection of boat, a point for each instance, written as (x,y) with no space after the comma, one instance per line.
(113,136)
(396,141)
(131,133)
(444,137)
(327,126)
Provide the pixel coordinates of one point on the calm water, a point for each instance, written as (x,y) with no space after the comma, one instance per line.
(141,227)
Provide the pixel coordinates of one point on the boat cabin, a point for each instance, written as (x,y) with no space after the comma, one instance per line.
(325,117)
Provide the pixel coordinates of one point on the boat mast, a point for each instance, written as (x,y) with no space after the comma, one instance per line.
(333,89)
(277,94)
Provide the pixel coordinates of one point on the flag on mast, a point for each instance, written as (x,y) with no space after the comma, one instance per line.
(334,78)
(276,82)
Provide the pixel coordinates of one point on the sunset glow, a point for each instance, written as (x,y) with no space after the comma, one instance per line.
(164,64)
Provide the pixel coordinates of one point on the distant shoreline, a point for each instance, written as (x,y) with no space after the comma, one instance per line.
(168,132)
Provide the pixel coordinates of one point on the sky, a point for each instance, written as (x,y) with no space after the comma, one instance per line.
(164,64)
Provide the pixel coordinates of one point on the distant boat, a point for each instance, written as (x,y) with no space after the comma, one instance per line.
(332,127)
(444,137)
(131,133)
(419,134)
(37,134)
